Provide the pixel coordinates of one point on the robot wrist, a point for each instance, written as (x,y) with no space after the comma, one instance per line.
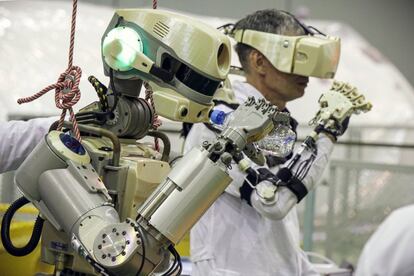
(331,136)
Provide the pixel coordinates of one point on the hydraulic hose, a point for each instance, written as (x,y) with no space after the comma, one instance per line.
(165,140)
(5,230)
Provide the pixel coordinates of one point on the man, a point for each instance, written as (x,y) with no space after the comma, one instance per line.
(239,235)
(390,250)
(18,139)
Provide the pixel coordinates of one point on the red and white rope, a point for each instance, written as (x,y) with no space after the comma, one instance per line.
(67,92)
(156,123)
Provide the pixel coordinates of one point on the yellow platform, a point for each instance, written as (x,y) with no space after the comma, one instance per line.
(20,233)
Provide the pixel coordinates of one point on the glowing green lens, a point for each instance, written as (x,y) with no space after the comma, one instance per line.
(120,47)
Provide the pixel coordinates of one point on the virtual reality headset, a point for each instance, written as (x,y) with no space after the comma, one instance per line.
(306,55)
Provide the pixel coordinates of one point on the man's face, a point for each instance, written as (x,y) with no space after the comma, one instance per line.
(283,86)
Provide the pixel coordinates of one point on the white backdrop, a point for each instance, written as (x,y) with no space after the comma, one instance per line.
(34,48)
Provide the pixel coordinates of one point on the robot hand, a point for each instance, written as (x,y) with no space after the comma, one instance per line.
(336,107)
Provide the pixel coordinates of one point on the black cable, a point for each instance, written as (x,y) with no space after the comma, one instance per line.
(111,75)
(5,230)
(293,161)
(304,172)
(172,267)
(225,25)
(143,250)
(175,265)
(300,168)
(179,266)
(174,160)
(100,269)
(228,28)
(101,91)
(114,92)
(304,167)
(310,165)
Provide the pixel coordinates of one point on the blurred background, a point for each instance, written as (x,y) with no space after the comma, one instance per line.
(371,171)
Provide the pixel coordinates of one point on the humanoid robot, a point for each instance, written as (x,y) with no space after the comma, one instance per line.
(113,205)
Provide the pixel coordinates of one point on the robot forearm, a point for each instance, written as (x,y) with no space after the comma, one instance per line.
(191,187)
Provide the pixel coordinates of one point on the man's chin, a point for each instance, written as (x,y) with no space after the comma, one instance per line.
(301,91)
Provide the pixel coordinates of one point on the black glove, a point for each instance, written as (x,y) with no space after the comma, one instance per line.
(337,130)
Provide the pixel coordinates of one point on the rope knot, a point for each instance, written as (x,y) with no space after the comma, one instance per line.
(67,92)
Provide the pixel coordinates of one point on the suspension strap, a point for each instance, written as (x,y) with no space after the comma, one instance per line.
(294,184)
(67,92)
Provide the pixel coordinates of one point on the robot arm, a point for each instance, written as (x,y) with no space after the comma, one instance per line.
(60,181)
(277,194)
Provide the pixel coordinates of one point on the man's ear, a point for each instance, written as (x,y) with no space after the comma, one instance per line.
(257,62)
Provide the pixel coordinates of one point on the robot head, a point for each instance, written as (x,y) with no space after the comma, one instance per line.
(183,59)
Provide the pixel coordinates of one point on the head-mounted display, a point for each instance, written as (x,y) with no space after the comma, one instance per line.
(306,55)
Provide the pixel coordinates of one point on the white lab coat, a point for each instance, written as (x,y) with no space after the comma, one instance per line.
(18,139)
(233,238)
(390,250)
